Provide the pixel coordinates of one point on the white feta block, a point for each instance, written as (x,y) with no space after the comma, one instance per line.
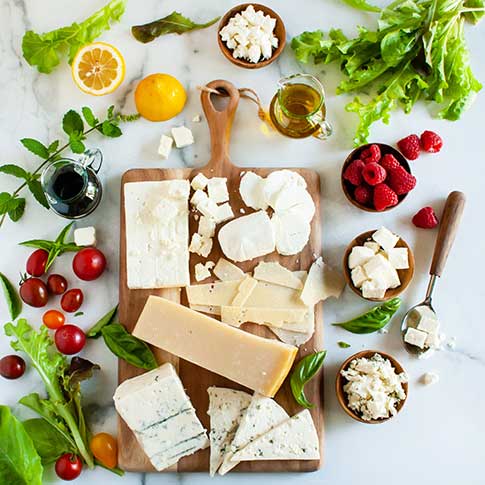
(85,236)
(224,213)
(165,146)
(429,325)
(209,209)
(415,337)
(433,340)
(217,189)
(207,226)
(201,272)
(424,311)
(199,182)
(359,256)
(200,245)
(183,136)
(385,238)
(358,276)
(372,245)
(378,267)
(199,197)
(398,257)
(373,289)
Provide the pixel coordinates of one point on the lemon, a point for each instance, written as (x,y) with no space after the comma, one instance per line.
(98,68)
(160,97)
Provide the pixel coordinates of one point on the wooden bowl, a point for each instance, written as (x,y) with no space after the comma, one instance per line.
(279,32)
(348,188)
(340,381)
(405,275)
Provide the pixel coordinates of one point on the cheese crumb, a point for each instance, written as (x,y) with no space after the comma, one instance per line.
(165,146)
(183,136)
(199,182)
(200,245)
(430,378)
(85,236)
(202,271)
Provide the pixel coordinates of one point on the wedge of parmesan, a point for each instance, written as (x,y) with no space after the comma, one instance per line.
(213,294)
(226,409)
(226,271)
(322,283)
(279,275)
(294,439)
(261,415)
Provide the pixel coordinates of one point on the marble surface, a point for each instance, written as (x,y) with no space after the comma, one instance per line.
(438,437)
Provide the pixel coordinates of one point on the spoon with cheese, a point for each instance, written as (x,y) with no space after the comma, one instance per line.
(420,325)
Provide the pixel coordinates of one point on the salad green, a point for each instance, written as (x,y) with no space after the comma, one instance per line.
(14,303)
(418,51)
(304,371)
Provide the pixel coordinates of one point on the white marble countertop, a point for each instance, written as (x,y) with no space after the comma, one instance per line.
(438,437)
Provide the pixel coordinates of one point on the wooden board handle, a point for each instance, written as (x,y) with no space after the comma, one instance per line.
(450,221)
(220,123)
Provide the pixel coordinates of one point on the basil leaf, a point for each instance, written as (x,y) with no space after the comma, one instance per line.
(62,235)
(95,330)
(15,171)
(373,320)
(14,303)
(49,443)
(20,463)
(304,371)
(16,208)
(38,243)
(127,347)
(37,191)
(175,23)
(343,345)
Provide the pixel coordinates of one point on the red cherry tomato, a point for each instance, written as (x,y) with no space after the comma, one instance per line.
(71,300)
(69,339)
(12,367)
(36,263)
(89,264)
(56,284)
(34,292)
(105,449)
(69,467)
(53,319)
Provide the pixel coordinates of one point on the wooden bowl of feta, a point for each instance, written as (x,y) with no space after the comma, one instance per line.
(378,265)
(375,371)
(251,35)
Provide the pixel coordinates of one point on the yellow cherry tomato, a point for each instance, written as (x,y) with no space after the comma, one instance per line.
(105,448)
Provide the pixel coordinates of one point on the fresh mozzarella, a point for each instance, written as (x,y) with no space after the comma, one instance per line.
(294,200)
(217,189)
(290,232)
(251,190)
(277,181)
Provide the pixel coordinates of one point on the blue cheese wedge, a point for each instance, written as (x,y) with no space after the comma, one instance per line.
(226,409)
(159,412)
(261,416)
(294,439)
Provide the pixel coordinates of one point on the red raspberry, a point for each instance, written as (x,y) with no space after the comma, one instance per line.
(353,173)
(425,218)
(363,194)
(384,197)
(389,162)
(401,181)
(373,173)
(410,147)
(431,142)
(371,154)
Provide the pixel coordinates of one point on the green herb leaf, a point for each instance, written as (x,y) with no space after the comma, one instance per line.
(362,5)
(53,147)
(14,303)
(88,114)
(304,371)
(44,50)
(20,463)
(5,199)
(110,130)
(78,314)
(343,345)
(127,347)
(15,171)
(16,208)
(76,145)
(175,23)
(72,122)
(37,191)
(95,330)
(35,147)
(373,320)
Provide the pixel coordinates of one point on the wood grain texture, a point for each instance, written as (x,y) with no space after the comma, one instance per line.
(196,379)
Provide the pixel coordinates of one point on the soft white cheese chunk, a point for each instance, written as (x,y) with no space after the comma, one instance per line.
(373,289)
(415,337)
(358,276)
(207,226)
(251,190)
(200,245)
(182,136)
(385,238)
(398,257)
(276,181)
(199,197)
(165,146)
(429,325)
(201,271)
(433,340)
(378,267)
(359,256)
(291,233)
(217,189)
(226,271)
(224,213)
(372,245)
(208,208)
(199,182)
(294,200)
(85,236)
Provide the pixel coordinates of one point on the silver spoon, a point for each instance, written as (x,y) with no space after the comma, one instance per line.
(446,237)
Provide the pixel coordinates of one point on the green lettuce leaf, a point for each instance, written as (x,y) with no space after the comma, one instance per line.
(362,5)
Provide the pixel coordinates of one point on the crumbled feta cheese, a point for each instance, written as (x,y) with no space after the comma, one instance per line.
(372,289)
(398,257)
(373,246)
(415,337)
(428,325)
(198,198)
(200,245)
(430,378)
(373,388)
(202,271)
(165,146)
(199,182)
(207,226)
(217,189)
(224,213)
(85,236)
(385,238)
(359,256)
(358,276)
(183,136)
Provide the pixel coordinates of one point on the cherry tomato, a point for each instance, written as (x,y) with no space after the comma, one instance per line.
(69,467)
(12,367)
(89,264)
(56,284)
(69,339)
(34,292)
(53,319)
(36,263)
(71,300)
(105,448)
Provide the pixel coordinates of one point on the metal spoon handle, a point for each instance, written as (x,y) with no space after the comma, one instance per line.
(450,221)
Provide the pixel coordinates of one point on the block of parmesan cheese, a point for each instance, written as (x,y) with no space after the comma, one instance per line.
(255,362)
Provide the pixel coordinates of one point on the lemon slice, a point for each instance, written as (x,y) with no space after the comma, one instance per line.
(98,68)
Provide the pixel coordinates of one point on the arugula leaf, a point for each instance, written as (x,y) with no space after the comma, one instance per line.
(44,50)
(35,147)
(20,463)
(362,5)
(15,171)
(304,371)
(37,191)
(95,330)
(175,23)
(14,303)
(127,347)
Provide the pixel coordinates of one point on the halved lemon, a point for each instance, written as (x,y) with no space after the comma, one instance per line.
(98,68)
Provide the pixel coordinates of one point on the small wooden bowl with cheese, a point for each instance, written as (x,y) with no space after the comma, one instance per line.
(405,274)
(279,32)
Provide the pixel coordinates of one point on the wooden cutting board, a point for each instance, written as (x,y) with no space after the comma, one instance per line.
(196,379)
